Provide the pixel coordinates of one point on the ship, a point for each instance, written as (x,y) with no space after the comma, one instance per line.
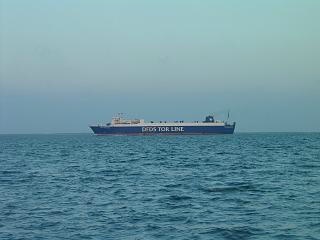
(122,126)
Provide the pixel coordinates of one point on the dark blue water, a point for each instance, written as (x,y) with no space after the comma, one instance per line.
(80,186)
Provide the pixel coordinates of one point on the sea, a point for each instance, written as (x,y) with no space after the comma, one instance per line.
(81,186)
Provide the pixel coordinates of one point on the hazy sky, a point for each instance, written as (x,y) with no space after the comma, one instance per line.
(67,64)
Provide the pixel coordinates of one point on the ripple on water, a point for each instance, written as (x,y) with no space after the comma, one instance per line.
(78,186)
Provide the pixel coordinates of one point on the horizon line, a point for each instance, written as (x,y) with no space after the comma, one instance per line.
(237,132)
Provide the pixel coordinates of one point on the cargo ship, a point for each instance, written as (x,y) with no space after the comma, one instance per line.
(122,126)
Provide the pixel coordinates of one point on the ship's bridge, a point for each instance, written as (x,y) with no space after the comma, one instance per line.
(120,120)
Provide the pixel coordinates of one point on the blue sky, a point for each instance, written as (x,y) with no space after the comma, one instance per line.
(67,64)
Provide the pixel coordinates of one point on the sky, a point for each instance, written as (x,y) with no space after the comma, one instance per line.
(67,64)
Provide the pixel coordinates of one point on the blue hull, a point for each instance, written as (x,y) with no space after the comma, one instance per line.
(160,130)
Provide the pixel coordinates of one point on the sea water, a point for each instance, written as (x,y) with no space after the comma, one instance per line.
(81,186)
